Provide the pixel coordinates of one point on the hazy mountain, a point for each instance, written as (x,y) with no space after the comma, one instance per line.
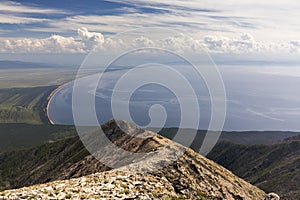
(7,64)
(237,137)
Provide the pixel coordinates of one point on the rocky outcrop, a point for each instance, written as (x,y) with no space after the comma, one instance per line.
(272,196)
(107,185)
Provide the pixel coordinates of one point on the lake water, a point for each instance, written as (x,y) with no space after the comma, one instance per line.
(258,98)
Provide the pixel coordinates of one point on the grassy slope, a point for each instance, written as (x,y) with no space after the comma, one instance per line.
(23,123)
(22,136)
(24,105)
(34,77)
(39,164)
(271,167)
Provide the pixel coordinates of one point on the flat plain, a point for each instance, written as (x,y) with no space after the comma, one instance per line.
(25,78)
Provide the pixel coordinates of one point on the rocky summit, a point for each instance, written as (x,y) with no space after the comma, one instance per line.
(159,174)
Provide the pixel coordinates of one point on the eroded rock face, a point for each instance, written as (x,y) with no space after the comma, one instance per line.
(191,176)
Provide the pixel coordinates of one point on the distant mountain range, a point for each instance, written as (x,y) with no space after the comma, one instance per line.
(237,137)
(7,64)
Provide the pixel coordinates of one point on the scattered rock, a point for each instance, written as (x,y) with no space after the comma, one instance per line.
(272,196)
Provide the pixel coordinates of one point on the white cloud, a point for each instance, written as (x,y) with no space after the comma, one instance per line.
(143,42)
(57,43)
(247,44)
(12,19)
(14,7)
(295,46)
(16,13)
(90,39)
(86,40)
(264,115)
(244,44)
(266,20)
(53,44)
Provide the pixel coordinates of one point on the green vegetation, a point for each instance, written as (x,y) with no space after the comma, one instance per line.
(39,164)
(22,136)
(24,128)
(271,167)
(24,105)
(26,78)
(23,122)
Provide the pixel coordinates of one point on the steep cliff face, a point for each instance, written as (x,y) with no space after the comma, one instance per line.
(190,176)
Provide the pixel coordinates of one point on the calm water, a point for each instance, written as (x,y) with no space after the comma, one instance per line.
(258,98)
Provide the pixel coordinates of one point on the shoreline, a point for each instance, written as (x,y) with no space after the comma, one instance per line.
(49,100)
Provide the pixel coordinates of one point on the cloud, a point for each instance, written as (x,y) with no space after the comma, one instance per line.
(11,19)
(261,19)
(295,46)
(53,44)
(264,115)
(90,39)
(17,13)
(58,44)
(86,40)
(212,5)
(14,7)
(247,44)
(143,42)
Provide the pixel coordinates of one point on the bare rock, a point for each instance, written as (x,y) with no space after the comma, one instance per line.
(272,196)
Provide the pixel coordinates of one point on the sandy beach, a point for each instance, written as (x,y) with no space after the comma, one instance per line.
(49,99)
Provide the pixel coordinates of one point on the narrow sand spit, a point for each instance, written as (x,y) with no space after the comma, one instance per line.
(49,99)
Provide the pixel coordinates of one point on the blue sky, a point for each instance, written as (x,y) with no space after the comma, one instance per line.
(38,18)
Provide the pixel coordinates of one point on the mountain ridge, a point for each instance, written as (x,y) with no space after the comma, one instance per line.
(191,176)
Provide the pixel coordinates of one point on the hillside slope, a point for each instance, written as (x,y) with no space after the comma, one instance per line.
(24,105)
(23,136)
(271,167)
(191,176)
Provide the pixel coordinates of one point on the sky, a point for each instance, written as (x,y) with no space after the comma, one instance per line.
(249,28)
